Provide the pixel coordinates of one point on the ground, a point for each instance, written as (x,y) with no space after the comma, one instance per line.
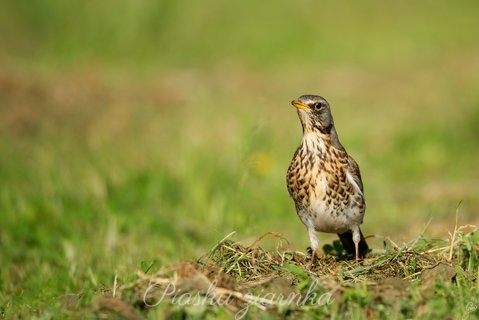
(140,136)
(422,279)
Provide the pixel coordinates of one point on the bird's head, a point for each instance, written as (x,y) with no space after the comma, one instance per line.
(314,113)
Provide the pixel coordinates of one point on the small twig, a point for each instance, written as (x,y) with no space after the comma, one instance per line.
(393,243)
(435,250)
(402,266)
(115,283)
(412,275)
(472,226)
(270,233)
(451,250)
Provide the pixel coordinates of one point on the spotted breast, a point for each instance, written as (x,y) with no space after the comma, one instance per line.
(326,196)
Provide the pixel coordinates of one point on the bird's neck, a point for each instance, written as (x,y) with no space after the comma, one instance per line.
(316,139)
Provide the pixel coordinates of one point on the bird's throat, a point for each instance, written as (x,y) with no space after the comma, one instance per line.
(314,139)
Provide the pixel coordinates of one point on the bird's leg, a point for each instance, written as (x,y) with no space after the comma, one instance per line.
(310,264)
(356,239)
(356,247)
(314,244)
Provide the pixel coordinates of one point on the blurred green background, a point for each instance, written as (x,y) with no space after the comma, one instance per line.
(148,130)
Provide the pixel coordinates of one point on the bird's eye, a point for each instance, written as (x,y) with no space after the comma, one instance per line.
(317,106)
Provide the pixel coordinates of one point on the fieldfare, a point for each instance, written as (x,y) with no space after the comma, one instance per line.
(324,181)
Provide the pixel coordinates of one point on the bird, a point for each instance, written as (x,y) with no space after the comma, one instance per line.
(324,180)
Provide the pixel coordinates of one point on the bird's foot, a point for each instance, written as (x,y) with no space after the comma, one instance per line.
(310,264)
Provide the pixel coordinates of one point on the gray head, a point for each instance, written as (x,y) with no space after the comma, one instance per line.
(314,113)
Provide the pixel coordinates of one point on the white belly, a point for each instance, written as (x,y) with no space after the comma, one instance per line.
(327,219)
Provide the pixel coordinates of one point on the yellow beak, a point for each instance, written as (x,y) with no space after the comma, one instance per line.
(299,105)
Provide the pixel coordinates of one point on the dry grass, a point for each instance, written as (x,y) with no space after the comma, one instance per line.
(236,277)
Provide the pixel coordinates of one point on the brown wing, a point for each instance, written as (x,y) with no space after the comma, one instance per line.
(291,181)
(353,168)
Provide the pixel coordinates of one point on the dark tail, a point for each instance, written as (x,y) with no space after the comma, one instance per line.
(348,243)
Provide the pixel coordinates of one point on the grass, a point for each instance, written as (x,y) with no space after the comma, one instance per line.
(136,136)
(248,282)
